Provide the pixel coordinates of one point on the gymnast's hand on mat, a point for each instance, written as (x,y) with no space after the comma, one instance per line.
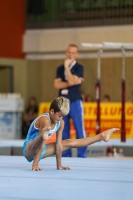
(36,168)
(63,168)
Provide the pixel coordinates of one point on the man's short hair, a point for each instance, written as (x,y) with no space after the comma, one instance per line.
(73,45)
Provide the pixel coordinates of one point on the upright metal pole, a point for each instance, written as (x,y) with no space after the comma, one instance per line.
(123,128)
(98,91)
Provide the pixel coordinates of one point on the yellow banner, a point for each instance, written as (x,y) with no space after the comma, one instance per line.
(110,117)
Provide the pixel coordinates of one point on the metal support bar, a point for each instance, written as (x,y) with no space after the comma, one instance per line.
(98,91)
(123,119)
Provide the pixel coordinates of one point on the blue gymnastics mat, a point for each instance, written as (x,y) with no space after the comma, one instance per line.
(89,179)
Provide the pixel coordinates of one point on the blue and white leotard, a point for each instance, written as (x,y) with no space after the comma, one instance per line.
(33,132)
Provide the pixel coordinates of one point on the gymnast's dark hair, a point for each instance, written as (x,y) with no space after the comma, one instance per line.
(54,106)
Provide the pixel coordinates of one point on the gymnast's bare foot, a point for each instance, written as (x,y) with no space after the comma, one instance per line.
(106,134)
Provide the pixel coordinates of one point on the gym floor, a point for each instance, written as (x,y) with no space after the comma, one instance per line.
(100,178)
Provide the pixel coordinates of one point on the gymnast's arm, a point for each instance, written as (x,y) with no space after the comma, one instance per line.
(59,147)
(44,127)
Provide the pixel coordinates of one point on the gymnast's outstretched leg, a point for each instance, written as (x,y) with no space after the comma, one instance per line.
(74,143)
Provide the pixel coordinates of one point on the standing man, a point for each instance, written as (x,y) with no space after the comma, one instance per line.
(69,77)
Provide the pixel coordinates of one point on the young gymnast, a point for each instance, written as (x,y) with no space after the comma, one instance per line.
(35,146)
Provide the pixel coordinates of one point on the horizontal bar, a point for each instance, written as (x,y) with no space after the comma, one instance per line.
(112,45)
(92,45)
(116,45)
